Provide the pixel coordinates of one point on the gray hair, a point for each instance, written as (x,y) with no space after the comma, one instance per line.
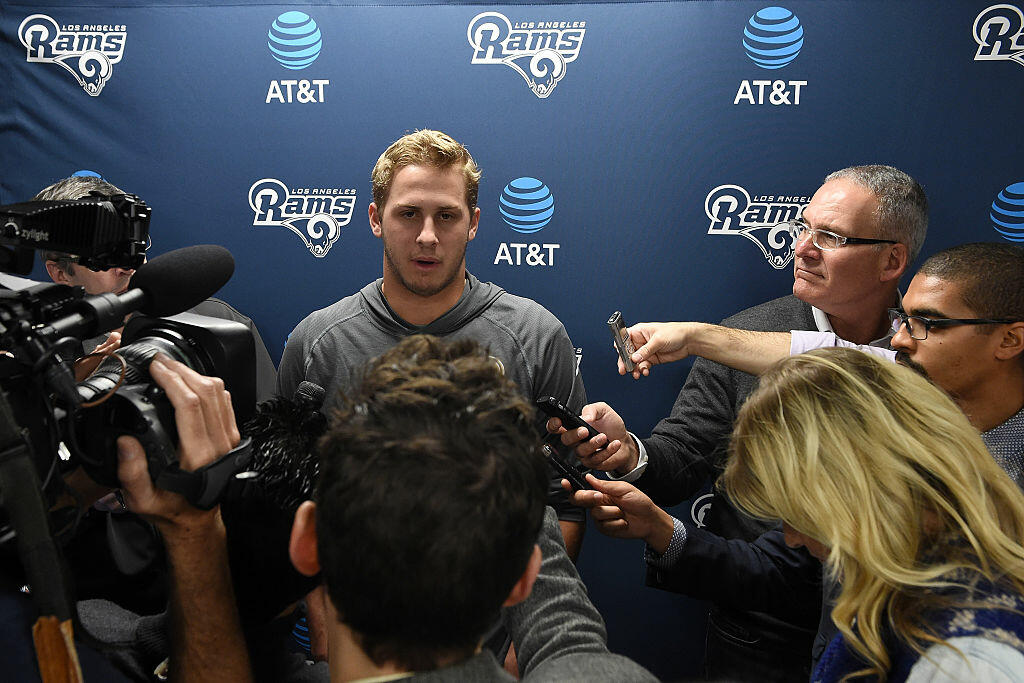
(902,205)
(75,187)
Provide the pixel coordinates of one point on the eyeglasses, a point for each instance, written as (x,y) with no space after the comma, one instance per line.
(824,239)
(918,326)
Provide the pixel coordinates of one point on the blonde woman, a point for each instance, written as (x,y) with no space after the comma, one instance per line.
(881,476)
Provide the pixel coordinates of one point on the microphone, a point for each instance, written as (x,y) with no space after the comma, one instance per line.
(169,284)
(310,394)
(178,280)
(284,466)
(258,509)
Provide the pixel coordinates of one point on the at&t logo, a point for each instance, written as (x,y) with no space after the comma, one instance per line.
(295,41)
(1007,213)
(526,205)
(999,33)
(538,50)
(316,215)
(772,39)
(733,212)
(87,51)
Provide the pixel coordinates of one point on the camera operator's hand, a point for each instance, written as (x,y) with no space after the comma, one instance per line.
(206,431)
(206,636)
(86,365)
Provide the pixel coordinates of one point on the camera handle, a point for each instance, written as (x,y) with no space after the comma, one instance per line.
(205,486)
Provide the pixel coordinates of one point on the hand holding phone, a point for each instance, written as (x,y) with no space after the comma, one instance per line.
(552,407)
(574,475)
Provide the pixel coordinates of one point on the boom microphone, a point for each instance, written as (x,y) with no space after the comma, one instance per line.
(284,462)
(178,280)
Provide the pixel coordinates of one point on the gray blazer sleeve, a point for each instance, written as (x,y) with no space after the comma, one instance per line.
(559,634)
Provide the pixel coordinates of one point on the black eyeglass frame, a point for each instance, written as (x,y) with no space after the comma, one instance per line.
(896,314)
(801,227)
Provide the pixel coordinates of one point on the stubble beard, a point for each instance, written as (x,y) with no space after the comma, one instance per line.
(903,359)
(426,290)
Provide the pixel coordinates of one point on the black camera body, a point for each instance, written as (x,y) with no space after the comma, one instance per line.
(41,329)
(210,346)
(49,424)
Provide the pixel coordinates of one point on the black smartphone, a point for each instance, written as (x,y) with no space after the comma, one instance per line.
(553,408)
(570,472)
(623,344)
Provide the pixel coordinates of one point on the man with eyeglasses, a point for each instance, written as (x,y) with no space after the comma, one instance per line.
(857,235)
(65,270)
(115,555)
(961,324)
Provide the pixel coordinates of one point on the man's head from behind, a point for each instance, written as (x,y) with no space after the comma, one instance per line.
(424,148)
(429,503)
(61,266)
(970,281)
(872,202)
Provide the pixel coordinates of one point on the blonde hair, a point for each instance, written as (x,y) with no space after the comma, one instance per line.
(424,148)
(879,465)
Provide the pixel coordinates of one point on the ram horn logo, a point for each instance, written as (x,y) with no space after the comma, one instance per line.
(700,507)
(538,51)
(89,56)
(316,219)
(542,70)
(762,222)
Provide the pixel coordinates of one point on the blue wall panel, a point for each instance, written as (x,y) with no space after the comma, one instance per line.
(657,108)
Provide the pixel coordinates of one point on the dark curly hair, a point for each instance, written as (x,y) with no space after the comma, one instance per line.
(430,500)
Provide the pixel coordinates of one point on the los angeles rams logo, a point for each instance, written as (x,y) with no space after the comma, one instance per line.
(537,51)
(316,216)
(88,52)
(732,212)
(999,33)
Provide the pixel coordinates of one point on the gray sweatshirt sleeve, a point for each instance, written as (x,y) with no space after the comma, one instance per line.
(559,634)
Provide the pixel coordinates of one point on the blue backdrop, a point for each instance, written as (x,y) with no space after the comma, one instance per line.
(670,136)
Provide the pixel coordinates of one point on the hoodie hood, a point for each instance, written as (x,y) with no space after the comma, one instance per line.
(476,298)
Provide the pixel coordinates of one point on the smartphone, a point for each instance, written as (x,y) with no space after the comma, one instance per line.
(570,472)
(552,407)
(623,344)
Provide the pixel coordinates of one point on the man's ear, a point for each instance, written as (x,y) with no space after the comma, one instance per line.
(474,223)
(521,590)
(371,211)
(57,274)
(302,545)
(1011,345)
(895,263)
